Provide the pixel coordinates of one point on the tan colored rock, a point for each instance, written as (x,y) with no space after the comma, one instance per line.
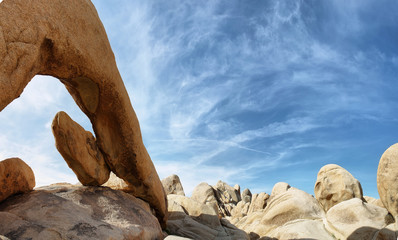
(259,202)
(279,188)
(240,210)
(334,184)
(117,183)
(198,211)
(355,219)
(195,220)
(65,211)
(246,196)
(301,229)
(174,237)
(79,149)
(227,194)
(387,175)
(204,193)
(15,177)
(67,40)
(172,185)
(374,201)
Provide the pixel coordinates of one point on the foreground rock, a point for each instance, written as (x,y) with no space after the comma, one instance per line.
(79,149)
(15,177)
(172,185)
(387,175)
(355,219)
(36,37)
(334,184)
(64,211)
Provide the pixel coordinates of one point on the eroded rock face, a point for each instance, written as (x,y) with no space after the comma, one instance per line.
(204,193)
(387,175)
(66,40)
(172,185)
(64,211)
(334,184)
(15,177)
(79,149)
(354,219)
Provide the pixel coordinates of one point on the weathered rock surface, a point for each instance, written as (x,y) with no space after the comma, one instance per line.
(204,193)
(64,211)
(117,183)
(281,209)
(356,219)
(334,184)
(226,193)
(79,149)
(66,40)
(188,218)
(301,229)
(172,185)
(374,201)
(387,175)
(15,177)
(246,196)
(280,188)
(259,202)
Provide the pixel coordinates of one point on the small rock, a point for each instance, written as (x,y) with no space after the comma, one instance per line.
(15,177)
(259,202)
(246,196)
(279,188)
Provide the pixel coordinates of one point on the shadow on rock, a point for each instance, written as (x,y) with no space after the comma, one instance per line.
(369,233)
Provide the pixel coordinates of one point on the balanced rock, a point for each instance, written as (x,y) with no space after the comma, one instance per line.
(387,175)
(15,177)
(64,211)
(36,38)
(355,219)
(172,185)
(334,184)
(79,149)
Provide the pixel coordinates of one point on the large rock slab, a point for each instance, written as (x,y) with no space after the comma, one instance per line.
(172,185)
(79,149)
(15,177)
(334,184)
(66,40)
(64,211)
(356,219)
(387,175)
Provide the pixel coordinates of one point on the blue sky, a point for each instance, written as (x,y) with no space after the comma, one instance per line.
(247,92)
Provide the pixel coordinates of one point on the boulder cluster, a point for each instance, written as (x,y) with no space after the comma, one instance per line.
(337,211)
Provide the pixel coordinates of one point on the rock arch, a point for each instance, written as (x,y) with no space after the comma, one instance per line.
(66,40)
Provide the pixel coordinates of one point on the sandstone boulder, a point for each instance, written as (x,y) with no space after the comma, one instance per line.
(356,219)
(259,202)
(334,184)
(172,185)
(387,175)
(66,40)
(204,193)
(79,149)
(246,196)
(300,229)
(64,211)
(279,188)
(281,209)
(15,177)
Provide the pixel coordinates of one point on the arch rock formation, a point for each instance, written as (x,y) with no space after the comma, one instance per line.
(66,40)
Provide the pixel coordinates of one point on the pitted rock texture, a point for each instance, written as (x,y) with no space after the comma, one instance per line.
(66,40)
(387,175)
(80,151)
(334,184)
(65,211)
(15,177)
